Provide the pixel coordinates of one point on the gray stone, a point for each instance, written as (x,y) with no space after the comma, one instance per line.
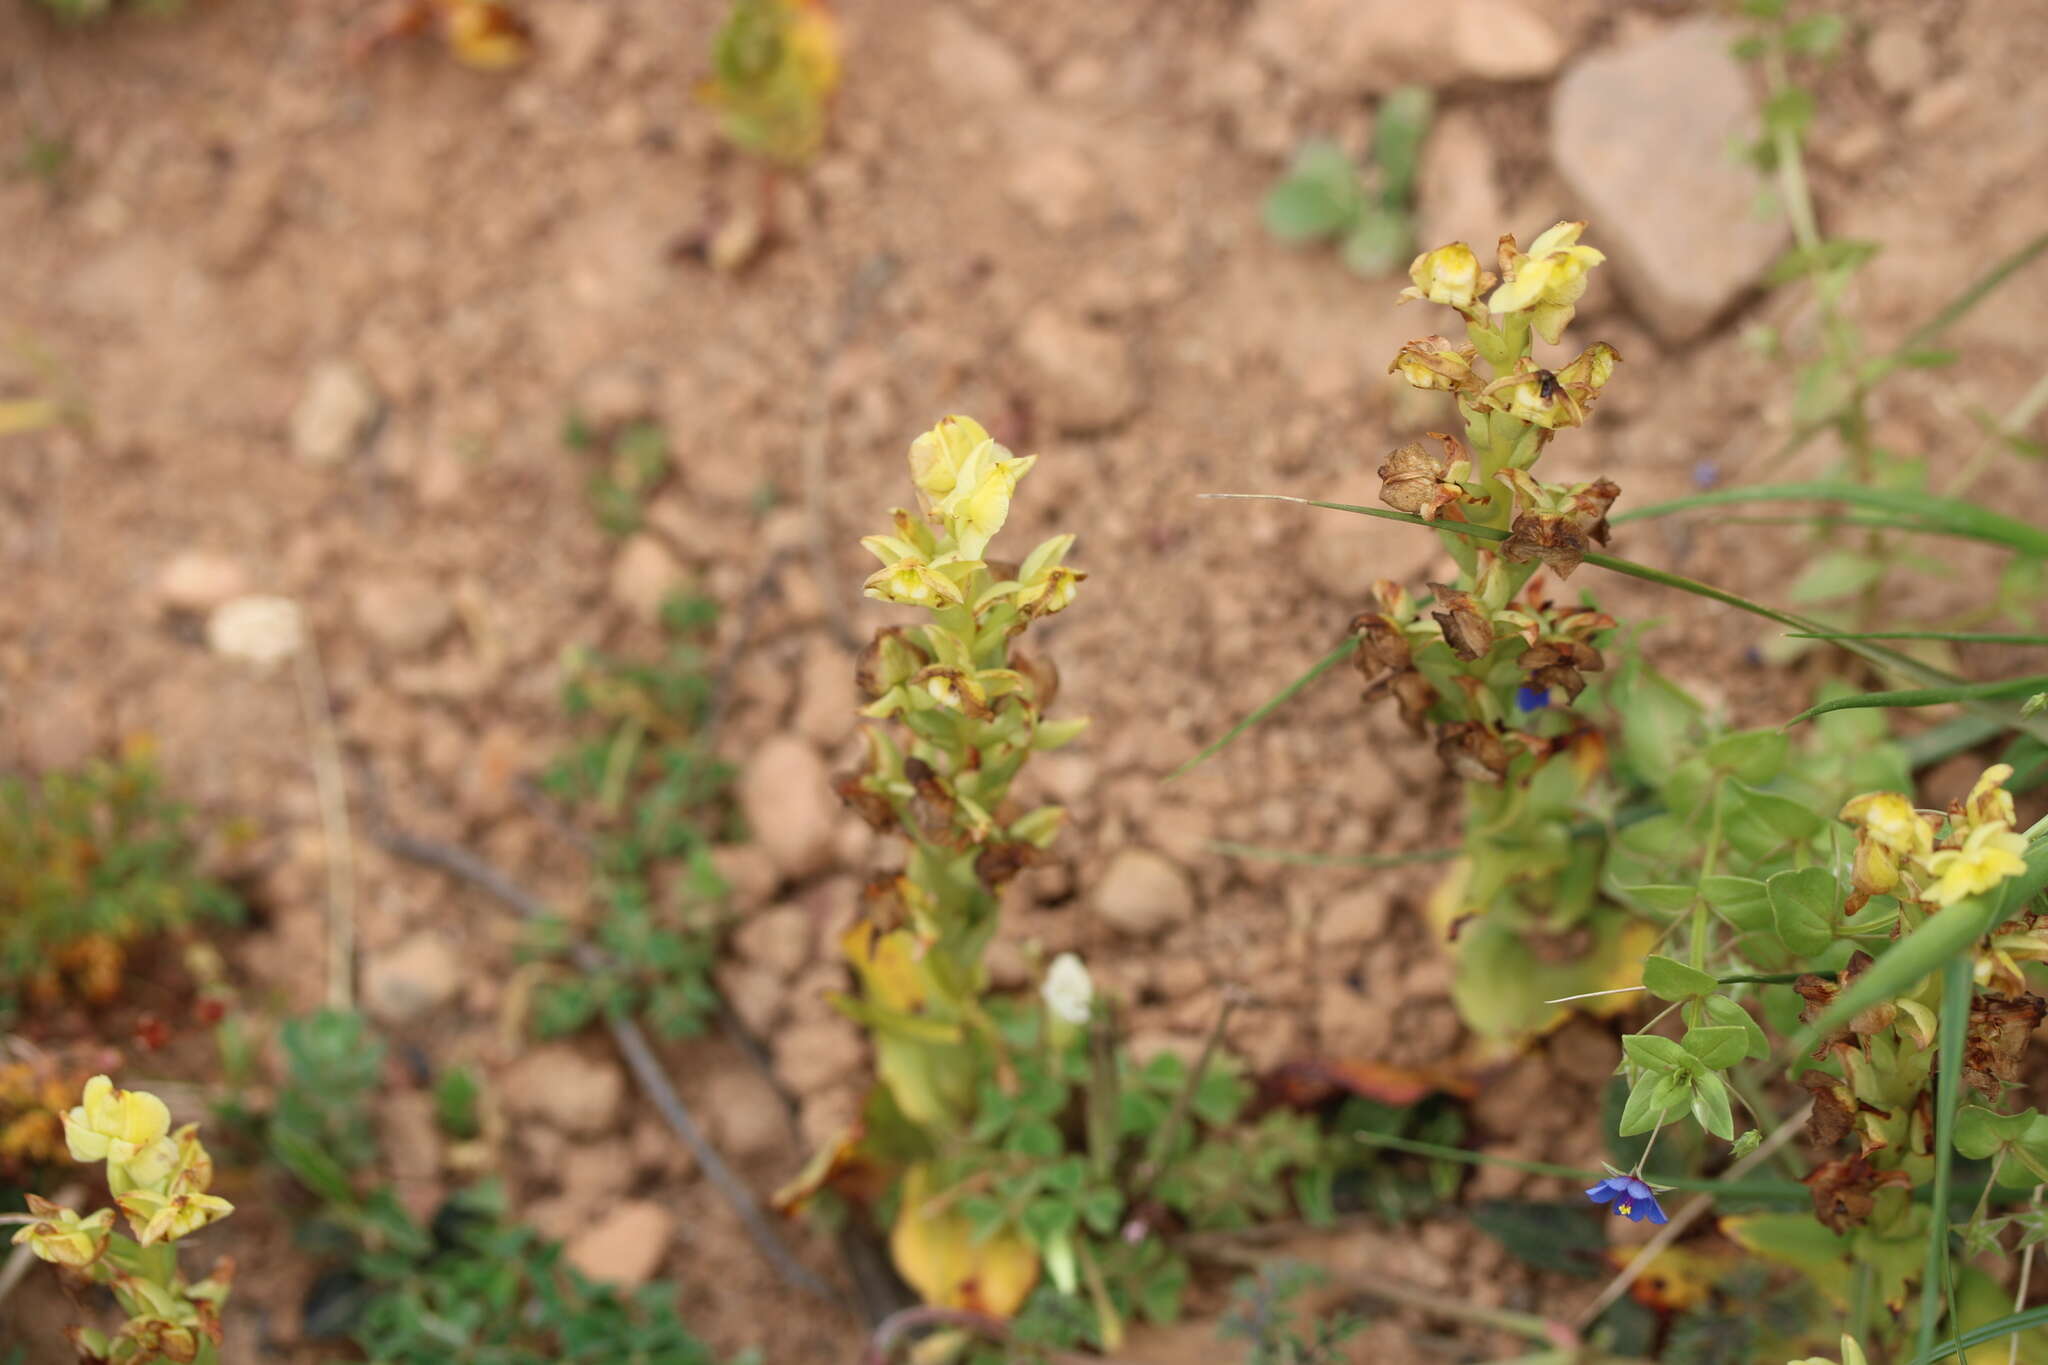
(411,978)
(336,413)
(1641,134)
(1143,894)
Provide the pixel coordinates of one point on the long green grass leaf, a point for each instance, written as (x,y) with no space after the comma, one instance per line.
(1934,513)
(1300,858)
(1926,696)
(1960,637)
(2012,1324)
(1285,695)
(1955,1022)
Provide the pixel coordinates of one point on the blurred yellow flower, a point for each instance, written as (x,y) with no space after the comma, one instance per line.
(979,503)
(1449,275)
(1988,802)
(1890,820)
(167,1217)
(113,1125)
(61,1237)
(1988,856)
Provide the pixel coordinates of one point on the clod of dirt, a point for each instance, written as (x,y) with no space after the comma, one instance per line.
(1641,134)
(566,1088)
(336,414)
(744,1113)
(1081,374)
(644,575)
(404,615)
(1143,894)
(786,795)
(777,940)
(813,1057)
(626,1246)
(412,978)
(1365,47)
(1358,916)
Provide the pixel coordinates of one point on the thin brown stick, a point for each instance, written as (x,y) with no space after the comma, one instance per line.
(638,1055)
(1163,1136)
(1685,1218)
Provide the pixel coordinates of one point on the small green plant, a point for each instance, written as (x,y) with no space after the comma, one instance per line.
(159,1180)
(774,66)
(92,862)
(471,1285)
(657,803)
(1265,1314)
(1324,196)
(636,463)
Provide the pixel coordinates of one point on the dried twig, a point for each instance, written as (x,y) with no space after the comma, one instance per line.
(1163,1136)
(328,781)
(1685,1218)
(639,1057)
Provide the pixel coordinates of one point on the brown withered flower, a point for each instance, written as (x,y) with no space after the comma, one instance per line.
(1548,537)
(1412,480)
(1411,692)
(1435,362)
(891,657)
(1382,645)
(932,806)
(1845,1191)
(869,804)
(1468,630)
(1473,750)
(1834,1110)
(997,864)
(1561,664)
(1999,1028)
(1590,505)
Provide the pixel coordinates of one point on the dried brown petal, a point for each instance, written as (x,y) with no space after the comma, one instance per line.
(1844,1193)
(998,863)
(1473,751)
(1834,1110)
(932,807)
(1562,676)
(1382,645)
(1589,508)
(1468,630)
(1999,1029)
(1409,478)
(1554,540)
(870,805)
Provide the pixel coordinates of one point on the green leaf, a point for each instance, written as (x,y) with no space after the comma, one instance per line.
(1710,1106)
(1747,1143)
(1980,1132)
(1669,979)
(2010,1325)
(1655,1100)
(1759,823)
(1319,197)
(1730,1013)
(1789,111)
(1937,515)
(1654,1053)
(1804,906)
(1717,1046)
(1744,900)
(1755,756)
(1956,991)
(1815,36)
(1927,696)
(1398,128)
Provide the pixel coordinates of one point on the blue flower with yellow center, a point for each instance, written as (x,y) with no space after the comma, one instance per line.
(1632,1199)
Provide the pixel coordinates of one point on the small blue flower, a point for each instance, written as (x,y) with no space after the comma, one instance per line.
(1532,698)
(1633,1199)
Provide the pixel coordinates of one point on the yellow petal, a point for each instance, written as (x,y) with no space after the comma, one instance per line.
(937,1254)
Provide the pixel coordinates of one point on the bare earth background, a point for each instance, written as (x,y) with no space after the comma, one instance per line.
(1043,215)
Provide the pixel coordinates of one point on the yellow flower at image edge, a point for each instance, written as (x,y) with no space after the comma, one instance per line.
(114,1125)
(1891,821)
(1988,856)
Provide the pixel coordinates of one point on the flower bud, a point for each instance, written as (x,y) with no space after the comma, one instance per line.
(1069,991)
(113,1125)
(937,455)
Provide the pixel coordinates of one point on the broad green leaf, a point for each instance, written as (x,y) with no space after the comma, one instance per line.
(1669,979)
(1717,1046)
(1656,1100)
(1727,1012)
(1804,904)
(1319,196)
(1755,756)
(1980,1132)
(1744,900)
(1710,1106)
(1654,1053)
(1759,823)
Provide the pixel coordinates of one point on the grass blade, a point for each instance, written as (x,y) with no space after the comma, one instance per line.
(1952,312)
(1304,859)
(1955,1022)
(1933,513)
(1960,637)
(1285,695)
(2012,1324)
(1926,696)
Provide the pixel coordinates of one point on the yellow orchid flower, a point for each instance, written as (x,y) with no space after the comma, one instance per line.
(167,1217)
(1988,856)
(937,455)
(1890,820)
(1989,803)
(906,576)
(1449,275)
(1547,281)
(980,501)
(61,1237)
(114,1125)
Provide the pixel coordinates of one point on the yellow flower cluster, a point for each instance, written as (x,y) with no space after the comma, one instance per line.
(1546,281)
(1980,850)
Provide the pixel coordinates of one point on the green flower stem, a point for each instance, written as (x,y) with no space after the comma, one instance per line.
(1701,917)
(1955,1020)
